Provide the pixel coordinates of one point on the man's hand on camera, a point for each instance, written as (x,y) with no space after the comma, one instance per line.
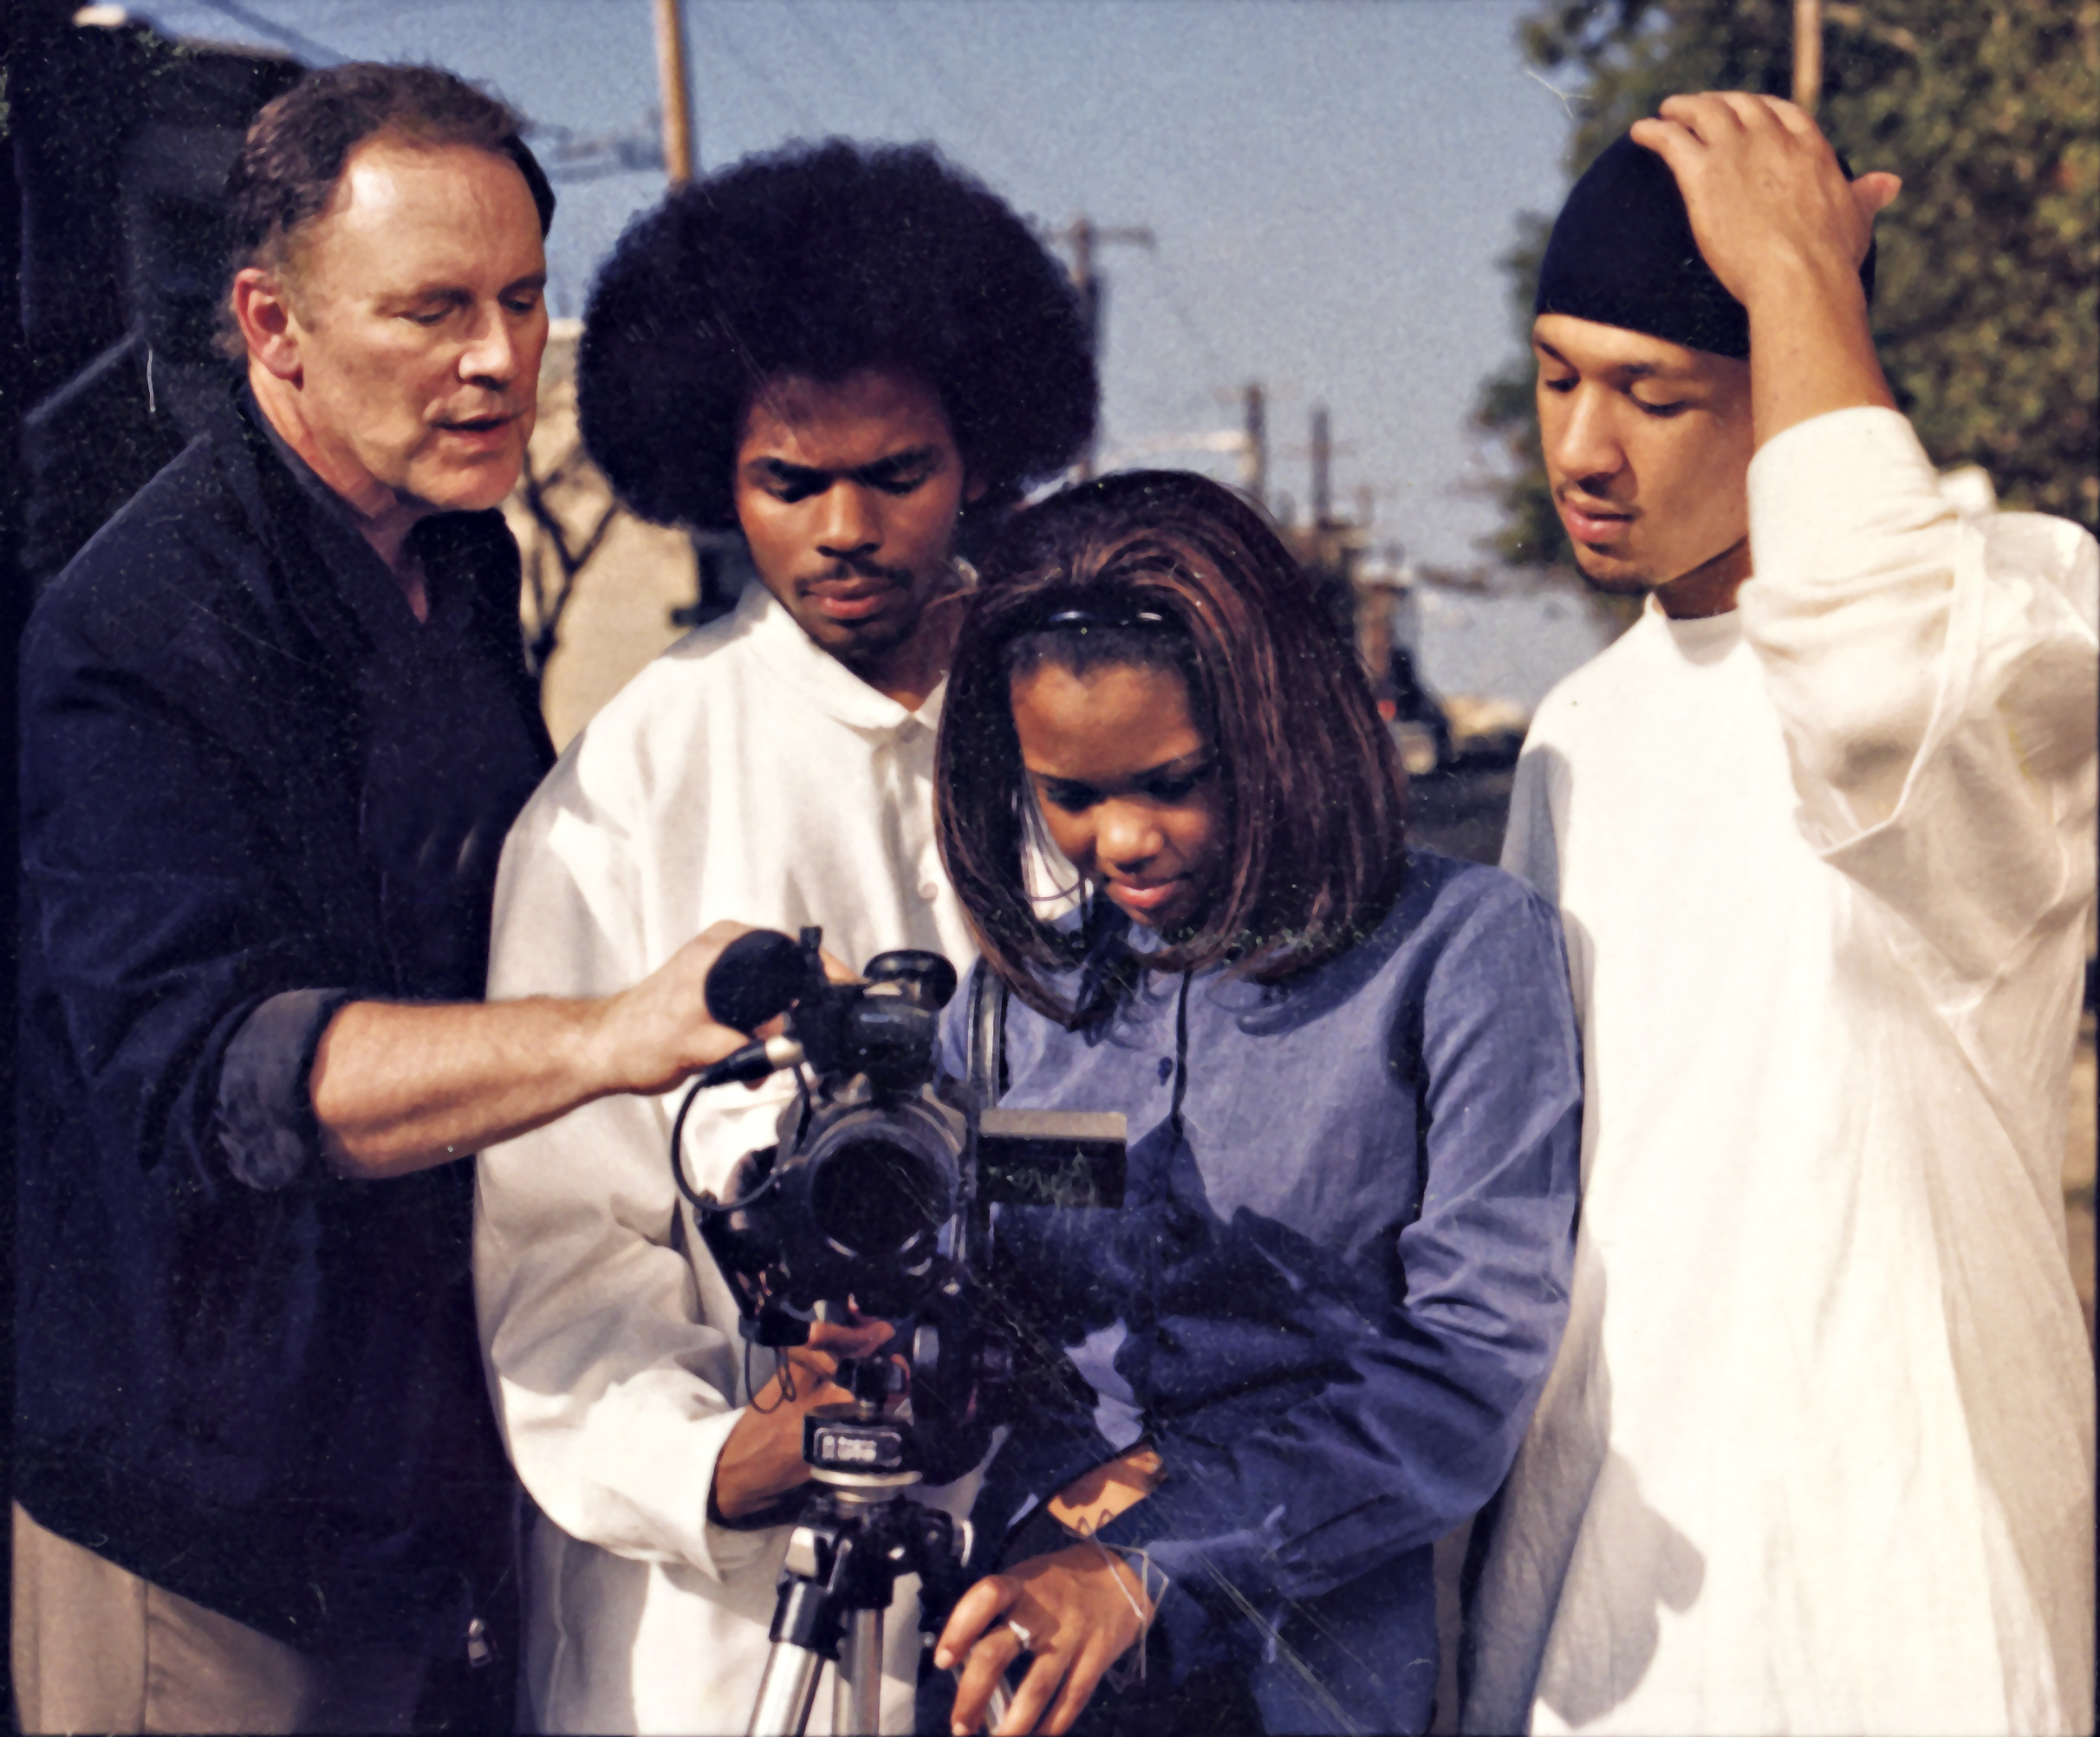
(762,1460)
(1078,1608)
(651,1036)
(397,1088)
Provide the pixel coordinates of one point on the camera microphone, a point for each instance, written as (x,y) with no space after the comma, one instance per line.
(761,973)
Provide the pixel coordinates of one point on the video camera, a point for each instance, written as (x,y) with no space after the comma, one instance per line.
(881,1187)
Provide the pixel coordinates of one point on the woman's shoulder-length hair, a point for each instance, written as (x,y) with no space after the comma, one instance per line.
(1314,795)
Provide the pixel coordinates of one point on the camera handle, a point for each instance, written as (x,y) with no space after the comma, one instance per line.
(987,1060)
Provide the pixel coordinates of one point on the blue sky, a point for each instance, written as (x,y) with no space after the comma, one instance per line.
(1330,182)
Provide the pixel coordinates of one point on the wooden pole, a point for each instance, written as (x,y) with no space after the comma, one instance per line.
(1082,234)
(1257,446)
(1807,53)
(1323,458)
(671,81)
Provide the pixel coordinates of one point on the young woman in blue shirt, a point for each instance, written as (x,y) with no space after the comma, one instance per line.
(1312,1337)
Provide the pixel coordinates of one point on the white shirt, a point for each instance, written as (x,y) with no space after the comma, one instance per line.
(743,774)
(1817,1453)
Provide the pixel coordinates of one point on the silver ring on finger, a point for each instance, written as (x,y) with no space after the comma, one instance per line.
(1027,1640)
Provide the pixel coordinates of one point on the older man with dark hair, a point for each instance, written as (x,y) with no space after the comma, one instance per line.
(850,354)
(276,724)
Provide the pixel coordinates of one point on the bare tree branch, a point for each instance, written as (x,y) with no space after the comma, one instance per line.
(534,490)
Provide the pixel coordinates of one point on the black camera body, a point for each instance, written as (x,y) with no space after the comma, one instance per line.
(881,1187)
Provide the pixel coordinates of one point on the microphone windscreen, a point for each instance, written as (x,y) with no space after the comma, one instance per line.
(758,975)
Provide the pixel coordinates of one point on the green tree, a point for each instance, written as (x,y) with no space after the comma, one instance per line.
(1987,297)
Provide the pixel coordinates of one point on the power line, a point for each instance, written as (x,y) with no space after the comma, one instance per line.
(1168,288)
(949,85)
(1082,234)
(855,70)
(727,44)
(566,157)
(313,52)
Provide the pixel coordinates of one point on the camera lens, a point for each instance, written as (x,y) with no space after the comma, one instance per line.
(873,1196)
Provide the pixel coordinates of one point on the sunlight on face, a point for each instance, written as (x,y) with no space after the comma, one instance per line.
(1648,448)
(848,493)
(418,308)
(1127,784)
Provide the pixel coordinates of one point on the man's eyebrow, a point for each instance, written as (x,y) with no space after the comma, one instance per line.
(437,290)
(882,470)
(1630,370)
(892,463)
(788,471)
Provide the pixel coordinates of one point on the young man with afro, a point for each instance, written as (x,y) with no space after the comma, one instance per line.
(851,354)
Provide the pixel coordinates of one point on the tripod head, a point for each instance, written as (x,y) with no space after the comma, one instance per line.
(860,1444)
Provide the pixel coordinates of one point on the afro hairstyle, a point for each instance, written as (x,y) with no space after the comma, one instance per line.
(821,261)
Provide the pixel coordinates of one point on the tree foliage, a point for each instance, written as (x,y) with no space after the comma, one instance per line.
(1988,298)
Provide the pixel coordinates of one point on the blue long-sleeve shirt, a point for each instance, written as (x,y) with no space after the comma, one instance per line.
(1331,1301)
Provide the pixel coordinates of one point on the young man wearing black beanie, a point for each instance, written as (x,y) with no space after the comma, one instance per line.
(1817,1454)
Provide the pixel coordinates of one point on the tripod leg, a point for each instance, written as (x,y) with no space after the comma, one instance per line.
(856,1684)
(786,1692)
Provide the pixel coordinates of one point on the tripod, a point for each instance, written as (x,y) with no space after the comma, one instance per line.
(854,1539)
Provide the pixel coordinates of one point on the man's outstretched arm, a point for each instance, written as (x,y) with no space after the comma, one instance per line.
(400,1088)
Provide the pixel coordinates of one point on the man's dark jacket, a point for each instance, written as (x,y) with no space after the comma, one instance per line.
(255,787)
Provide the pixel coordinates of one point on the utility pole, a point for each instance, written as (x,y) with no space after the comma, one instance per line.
(1257,446)
(671,81)
(1082,234)
(1807,53)
(1330,548)
(1323,452)
(716,555)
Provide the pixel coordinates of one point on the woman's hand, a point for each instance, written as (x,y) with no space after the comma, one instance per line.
(1080,1607)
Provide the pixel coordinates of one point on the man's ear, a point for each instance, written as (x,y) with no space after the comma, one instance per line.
(262,308)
